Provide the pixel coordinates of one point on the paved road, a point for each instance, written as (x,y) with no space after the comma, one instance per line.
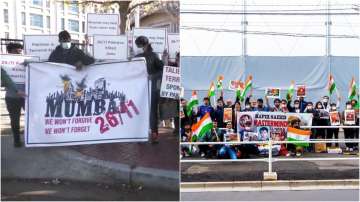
(19,190)
(312,195)
(288,170)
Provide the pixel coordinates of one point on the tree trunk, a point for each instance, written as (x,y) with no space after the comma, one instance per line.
(123,10)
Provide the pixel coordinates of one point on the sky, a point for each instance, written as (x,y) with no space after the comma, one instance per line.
(197,42)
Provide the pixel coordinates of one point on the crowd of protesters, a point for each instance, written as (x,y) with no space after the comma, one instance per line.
(68,53)
(320,111)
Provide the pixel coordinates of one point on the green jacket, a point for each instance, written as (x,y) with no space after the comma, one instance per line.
(7,82)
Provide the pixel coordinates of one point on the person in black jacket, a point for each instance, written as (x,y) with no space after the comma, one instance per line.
(68,53)
(154,68)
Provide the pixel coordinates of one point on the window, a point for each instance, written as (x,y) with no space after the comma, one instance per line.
(74,7)
(62,24)
(74,25)
(47,3)
(48,21)
(23,18)
(36,20)
(62,5)
(7,35)
(37,2)
(6,15)
(83,27)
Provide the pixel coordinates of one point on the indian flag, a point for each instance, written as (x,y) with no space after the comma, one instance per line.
(203,126)
(211,90)
(290,91)
(352,89)
(294,134)
(248,85)
(192,103)
(239,91)
(219,84)
(331,85)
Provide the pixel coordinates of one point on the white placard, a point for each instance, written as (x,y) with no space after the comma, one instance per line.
(95,105)
(13,66)
(157,38)
(100,24)
(173,44)
(40,45)
(170,85)
(111,47)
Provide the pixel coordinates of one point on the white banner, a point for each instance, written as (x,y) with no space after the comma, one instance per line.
(174,45)
(156,36)
(95,105)
(40,45)
(170,85)
(13,66)
(110,47)
(103,24)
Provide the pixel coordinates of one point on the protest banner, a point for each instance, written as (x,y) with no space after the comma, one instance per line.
(157,38)
(277,122)
(170,85)
(263,133)
(98,24)
(95,105)
(14,67)
(272,92)
(110,47)
(300,90)
(227,115)
(349,117)
(334,118)
(40,45)
(173,45)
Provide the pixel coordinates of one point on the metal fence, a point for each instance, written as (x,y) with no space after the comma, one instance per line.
(270,159)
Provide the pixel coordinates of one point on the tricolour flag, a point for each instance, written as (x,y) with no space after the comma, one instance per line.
(219,84)
(294,134)
(203,126)
(239,90)
(331,85)
(211,92)
(248,85)
(192,103)
(352,89)
(290,91)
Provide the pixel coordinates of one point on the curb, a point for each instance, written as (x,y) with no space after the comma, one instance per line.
(65,163)
(269,185)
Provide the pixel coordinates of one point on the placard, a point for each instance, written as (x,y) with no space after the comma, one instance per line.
(14,67)
(110,47)
(300,90)
(231,137)
(157,38)
(235,84)
(173,45)
(272,92)
(100,24)
(95,105)
(334,118)
(227,115)
(40,45)
(170,85)
(349,117)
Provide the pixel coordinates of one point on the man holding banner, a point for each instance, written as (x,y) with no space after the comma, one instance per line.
(154,68)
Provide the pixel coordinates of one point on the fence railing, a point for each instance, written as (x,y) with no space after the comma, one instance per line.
(270,159)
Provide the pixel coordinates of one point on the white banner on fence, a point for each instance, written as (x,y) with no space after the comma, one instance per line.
(110,47)
(156,36)
(103,24)
(13,66)
(40,45)
(174,45)
(96,105)
(275,123)
(170,85)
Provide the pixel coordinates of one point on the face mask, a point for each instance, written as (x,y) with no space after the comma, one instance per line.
(348,106)
(309,108)
(247,107)
(333,108)
(325,100)
(66,45)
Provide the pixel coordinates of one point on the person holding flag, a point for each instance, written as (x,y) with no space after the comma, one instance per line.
(205,108)
(193,102)
(201,130)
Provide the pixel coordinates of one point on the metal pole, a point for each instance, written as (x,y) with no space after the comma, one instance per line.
(137,16)
(270,156)
(244,41)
